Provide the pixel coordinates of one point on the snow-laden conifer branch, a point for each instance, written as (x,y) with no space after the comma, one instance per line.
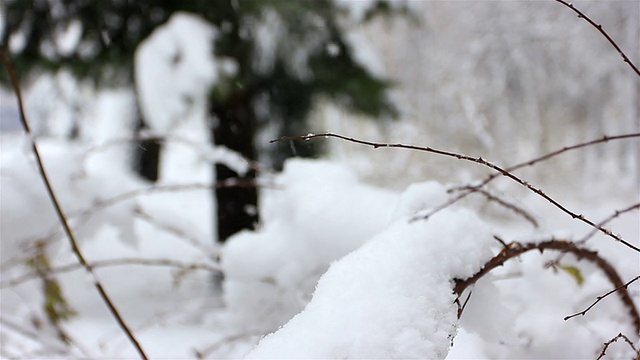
(599,27)
(514,250)
(13,78)
(479,160)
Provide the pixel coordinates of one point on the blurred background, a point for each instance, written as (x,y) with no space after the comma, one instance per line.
(155,117)
(194,91)
(504,80)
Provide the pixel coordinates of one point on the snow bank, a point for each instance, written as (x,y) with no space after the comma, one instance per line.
(392,298)
(318,213)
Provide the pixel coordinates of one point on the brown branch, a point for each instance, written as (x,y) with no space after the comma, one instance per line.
(552,154)
(516,209)
(599,298)
(63,220)
(607,220)
(614,339)
(478,160)
(517,249)
(599,27)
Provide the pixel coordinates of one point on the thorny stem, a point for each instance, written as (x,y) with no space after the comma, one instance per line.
(607,220)
(599,298)
(614,339)
(515,249)
(63,220)
(547,156)
(599,27)
(479,160)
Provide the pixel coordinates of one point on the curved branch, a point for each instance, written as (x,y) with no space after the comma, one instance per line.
(479,160)
(598,27)
(515,249)
(614,339)
(63,220)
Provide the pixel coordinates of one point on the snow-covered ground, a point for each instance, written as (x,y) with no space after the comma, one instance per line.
(338,268)
(385,281)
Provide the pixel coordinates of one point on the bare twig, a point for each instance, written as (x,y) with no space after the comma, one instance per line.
(552,154)
(516,249)
(227,183)
(607,220)
(205,249)
(599,27)
(478,160)
(516,209)
(614,339)
(8,325)
(38,338)
(63,220)
(599,298)
(205,150)
(206,352)
(114,262)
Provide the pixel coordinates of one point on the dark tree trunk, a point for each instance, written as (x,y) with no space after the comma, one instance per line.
(236,206)
(147,155)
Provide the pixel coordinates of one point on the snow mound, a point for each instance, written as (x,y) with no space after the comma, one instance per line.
(392,298)
(318,213)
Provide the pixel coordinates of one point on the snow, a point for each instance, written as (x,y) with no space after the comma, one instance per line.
(307,228)
(69,37)
(337,268)
(391,298)
(174,74)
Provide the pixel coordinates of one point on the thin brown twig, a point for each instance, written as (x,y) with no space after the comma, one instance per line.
(114,262)
(208,249)
(601,297)
(203,149)
(607,220)
(517,249)
(516,209)
(227,183)
(82,215)
(478,160)
(63,220)
(614,339)
(31,335)
(599,27)
(552,154)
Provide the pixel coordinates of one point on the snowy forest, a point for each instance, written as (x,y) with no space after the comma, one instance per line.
(319,179)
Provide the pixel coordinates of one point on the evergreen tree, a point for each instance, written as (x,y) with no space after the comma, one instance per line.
(309,57)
